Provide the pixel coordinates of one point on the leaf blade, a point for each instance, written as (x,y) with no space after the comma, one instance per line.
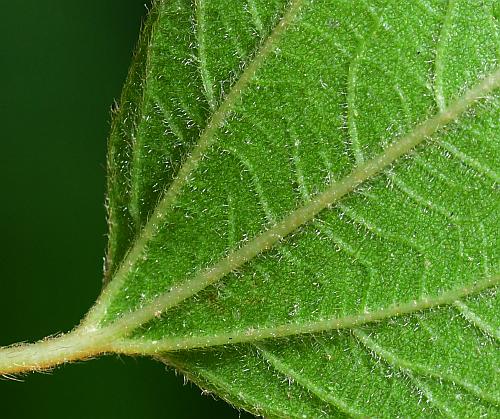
(401,260)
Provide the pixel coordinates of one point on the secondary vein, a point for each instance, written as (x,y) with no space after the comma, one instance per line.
(440,52)
(207,138)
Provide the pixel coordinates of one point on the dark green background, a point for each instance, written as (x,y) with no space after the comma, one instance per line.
(62,63)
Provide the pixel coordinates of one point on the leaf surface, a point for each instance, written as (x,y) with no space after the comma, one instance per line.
(303,204)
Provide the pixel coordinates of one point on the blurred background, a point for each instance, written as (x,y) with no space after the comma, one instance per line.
(62,64)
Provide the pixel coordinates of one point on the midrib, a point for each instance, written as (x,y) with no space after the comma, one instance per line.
(306,213)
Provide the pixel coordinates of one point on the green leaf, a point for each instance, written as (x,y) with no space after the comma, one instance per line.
(303,204)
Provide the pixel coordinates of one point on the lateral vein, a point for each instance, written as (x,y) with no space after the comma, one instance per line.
(207,138)
(146,347)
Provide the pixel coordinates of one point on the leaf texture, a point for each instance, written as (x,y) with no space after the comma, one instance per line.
(383,304)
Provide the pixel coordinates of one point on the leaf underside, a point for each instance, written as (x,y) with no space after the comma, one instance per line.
(332,84)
